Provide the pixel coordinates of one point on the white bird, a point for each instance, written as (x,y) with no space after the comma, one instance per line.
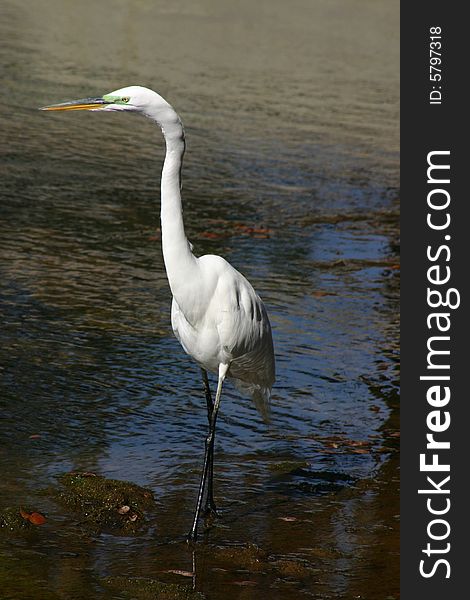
(216,315)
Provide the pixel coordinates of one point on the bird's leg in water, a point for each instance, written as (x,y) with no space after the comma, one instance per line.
(209,449)
(210,508)
(207,390)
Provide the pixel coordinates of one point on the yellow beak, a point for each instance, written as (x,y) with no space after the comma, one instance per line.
(83,104)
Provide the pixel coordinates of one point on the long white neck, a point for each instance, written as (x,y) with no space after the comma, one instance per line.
(179,260)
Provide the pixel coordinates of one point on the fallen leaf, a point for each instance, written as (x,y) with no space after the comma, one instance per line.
(355,443)
(258,232)
(211,235)
(37,519)
(288,519)
(34,436)
(34,518)
(321,293)
(244,583)
(124,509)
(179,572)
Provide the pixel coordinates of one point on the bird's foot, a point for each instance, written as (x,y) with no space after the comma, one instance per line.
(210,511)
(191,538)
(210,514)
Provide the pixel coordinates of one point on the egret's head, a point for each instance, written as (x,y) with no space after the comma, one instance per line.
(133,98)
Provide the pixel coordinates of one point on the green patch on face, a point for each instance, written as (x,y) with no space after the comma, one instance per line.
(116,99)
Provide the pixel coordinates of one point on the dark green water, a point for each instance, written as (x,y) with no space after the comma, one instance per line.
(291,174)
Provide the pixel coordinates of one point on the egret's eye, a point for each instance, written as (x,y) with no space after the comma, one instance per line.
(125,99)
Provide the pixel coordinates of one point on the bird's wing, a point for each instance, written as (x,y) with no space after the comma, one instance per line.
(244,329)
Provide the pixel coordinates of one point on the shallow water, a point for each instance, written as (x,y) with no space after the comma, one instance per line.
(291,173)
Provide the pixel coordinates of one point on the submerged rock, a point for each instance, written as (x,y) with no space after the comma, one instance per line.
(139,588)
(106,503)
(251,558)
(248,557)
(287,466)
(292,569)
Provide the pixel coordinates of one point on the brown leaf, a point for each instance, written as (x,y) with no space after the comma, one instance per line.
(246,582)
(321,293)
(37,519)
(211,235)
(288,519)
(179,572)
(124,509)
(258,232)
(34,518)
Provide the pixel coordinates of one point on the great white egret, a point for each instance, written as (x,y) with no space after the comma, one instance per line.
(216,314)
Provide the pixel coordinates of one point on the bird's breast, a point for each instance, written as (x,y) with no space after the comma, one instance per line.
(199,339)
(223,320)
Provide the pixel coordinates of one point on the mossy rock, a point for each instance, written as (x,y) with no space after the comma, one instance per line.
(292,569)
(150,589)
(104,503)
(253,559)
(11,520)
(248,557)
(287,466)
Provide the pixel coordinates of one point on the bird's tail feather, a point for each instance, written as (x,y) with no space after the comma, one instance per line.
(260,396)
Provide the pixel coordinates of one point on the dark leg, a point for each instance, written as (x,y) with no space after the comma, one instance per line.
(210,508)
(209,451)
(207,390)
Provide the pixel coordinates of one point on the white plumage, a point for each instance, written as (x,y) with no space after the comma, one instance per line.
(225,322)
(216,314)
